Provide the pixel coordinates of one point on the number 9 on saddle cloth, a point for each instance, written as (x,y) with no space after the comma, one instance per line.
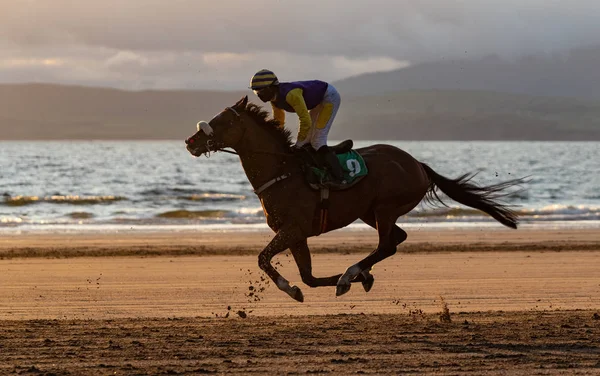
(317,173)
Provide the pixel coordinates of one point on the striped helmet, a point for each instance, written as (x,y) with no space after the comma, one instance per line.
(262,79)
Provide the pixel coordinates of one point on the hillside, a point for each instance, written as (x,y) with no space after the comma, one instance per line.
(44,111)
(571,74)
(468,115)
(36,111)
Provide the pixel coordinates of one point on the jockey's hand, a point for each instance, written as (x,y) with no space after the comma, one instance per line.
(296,149)
(303,146)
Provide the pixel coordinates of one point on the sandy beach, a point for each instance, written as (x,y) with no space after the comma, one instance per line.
(207,287)
(191,274)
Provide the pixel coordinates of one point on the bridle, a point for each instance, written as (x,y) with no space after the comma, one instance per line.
(212,146)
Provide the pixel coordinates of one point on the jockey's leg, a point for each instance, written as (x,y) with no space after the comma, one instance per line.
(329,158)
(330,105)
(314,117)
(314,114)
(326,115)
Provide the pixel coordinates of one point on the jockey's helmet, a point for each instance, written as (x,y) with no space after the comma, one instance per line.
(262,79)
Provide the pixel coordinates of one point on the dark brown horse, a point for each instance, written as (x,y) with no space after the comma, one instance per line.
(395,184)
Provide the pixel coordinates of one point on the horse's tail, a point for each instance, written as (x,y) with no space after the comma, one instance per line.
(468,193)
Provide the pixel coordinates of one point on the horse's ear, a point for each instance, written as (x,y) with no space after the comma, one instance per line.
(241,104)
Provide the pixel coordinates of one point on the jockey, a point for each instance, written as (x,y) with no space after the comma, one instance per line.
(316,104)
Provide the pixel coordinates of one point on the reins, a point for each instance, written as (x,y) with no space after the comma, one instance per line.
(257,152)
(237,114)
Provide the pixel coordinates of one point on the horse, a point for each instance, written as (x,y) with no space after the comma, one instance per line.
(395,184)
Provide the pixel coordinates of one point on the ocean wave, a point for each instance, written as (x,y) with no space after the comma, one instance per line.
(214,197)
(81,215)
(10,221)
(191,214)
(445,212)
(168,191)
(252,212)
(550,211)
(223,215)
(73,200)
(560,209)
(158,195)
(460,214)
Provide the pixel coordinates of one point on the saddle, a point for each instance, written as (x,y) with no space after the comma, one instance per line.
(342,147)
(317,174)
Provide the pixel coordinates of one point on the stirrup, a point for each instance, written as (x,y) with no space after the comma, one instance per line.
(335,181)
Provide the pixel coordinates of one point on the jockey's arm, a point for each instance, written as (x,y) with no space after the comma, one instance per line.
(296,100)
(278,114)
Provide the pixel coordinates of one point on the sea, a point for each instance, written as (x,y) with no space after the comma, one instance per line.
(124,186)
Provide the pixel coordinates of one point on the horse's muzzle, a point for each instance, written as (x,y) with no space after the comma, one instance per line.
(196,149)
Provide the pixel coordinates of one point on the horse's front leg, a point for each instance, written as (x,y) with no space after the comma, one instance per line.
(282,241)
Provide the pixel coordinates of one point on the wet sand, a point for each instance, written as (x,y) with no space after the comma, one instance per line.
(138,243)
(523,302)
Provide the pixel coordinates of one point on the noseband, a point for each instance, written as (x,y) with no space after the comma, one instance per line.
(211,145)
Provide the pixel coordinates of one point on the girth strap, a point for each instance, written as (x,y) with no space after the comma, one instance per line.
(324,206)
(260,189)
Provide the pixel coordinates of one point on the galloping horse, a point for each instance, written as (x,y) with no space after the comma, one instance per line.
(395,184)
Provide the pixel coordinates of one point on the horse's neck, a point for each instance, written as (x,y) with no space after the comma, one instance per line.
(262,157)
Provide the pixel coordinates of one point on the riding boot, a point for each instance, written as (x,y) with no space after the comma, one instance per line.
(333,164)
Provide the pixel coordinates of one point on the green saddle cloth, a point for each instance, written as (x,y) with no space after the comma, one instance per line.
(353,165)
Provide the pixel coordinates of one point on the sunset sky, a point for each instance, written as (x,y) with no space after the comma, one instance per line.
(207,44)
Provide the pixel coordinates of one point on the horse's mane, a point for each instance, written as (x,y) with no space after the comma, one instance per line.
(271,125)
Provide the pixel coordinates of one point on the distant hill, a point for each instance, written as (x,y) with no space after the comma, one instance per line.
(467,115)
(45,111)
(571,74)
(40,111)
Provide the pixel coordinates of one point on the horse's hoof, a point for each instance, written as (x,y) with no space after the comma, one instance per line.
(368,282)
(342,289)
(296,293)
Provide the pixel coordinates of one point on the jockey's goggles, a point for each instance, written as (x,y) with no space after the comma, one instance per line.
(258,91)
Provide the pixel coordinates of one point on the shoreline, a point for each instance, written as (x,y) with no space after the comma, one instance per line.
(587,224)
(205,243)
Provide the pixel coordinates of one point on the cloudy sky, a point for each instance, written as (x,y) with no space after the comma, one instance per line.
(219,44)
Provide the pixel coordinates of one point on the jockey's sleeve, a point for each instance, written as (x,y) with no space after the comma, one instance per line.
(278,114)
(296,100)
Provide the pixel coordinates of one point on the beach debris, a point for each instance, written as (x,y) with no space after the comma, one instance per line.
(257,287)
(445,314)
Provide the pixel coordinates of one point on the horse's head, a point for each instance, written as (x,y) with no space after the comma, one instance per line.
(224,130)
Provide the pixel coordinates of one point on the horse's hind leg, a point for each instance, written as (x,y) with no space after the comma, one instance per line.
(302,256)
(398,235)
(388,239)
